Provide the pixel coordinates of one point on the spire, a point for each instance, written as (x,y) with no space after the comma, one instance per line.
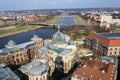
(58,27)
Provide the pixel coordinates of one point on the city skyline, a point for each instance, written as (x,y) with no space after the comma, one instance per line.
(55,4)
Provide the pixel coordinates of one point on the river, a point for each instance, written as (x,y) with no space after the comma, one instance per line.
(44,33)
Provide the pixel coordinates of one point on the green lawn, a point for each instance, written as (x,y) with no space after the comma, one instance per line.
(53,20)
(18,29)
(80,20)
(24,28)
(50,21)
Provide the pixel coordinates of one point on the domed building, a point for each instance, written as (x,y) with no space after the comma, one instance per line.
(36,70)
(10,44)
(61,50)
(59,38)
(17,54)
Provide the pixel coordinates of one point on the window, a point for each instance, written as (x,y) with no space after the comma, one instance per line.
(51,53)
(36,78)
(110,53)
(17,55)
(43,77)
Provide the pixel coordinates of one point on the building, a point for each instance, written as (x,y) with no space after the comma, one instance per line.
(95,70)
(107,19)
(36,70)
(104,43)
(61,50)
(85,52)
(14,54)
(7,74)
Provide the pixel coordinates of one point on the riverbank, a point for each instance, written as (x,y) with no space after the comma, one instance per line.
(17,29)
(80,20)
(53,20)
(24,28)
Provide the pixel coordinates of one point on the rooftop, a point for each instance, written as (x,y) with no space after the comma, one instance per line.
(95,69)
(10,44)
(59,38)
(34,68)
(58,50)
(110,36)
(108,39)
(35,37)
(6,51)
(7,74)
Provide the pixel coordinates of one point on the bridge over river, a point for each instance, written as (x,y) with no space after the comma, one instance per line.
(42,32)
(56,24)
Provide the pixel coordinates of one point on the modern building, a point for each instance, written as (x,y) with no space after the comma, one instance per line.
(36,70)
(104,43)
(7,74)
(61,50)
(14,54)
(95,70)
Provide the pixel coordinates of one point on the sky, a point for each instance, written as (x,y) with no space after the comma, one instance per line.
(55,4)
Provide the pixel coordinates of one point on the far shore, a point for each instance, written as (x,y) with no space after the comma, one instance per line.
(20,31)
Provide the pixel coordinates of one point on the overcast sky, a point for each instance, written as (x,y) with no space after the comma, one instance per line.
(55,4)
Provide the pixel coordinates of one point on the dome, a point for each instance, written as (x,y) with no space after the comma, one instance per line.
(59,37)
(35,37)
(38,68)
(37,63)
(10,44)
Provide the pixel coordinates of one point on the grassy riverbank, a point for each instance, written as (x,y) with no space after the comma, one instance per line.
(80,20)
(49,21)
(19,29)
(53,20)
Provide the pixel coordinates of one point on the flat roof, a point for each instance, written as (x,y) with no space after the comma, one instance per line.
(61,51)
(7,74)
(110,36)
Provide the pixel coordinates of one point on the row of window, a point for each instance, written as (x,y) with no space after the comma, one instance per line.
(43,78)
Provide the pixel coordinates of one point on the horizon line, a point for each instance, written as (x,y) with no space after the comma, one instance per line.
(57,8)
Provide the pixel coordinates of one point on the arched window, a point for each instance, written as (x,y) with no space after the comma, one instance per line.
(36,78)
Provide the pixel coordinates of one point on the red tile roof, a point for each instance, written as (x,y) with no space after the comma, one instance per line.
(105,41)
(93,70)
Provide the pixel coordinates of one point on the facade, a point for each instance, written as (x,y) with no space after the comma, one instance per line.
(36,70)
(95,70)
(104,43)
(7,74)
(61,50)
(107,19)
(14,54)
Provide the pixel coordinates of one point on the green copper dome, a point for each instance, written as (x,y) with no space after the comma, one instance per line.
(59,37)
(35,37)
(10,44)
